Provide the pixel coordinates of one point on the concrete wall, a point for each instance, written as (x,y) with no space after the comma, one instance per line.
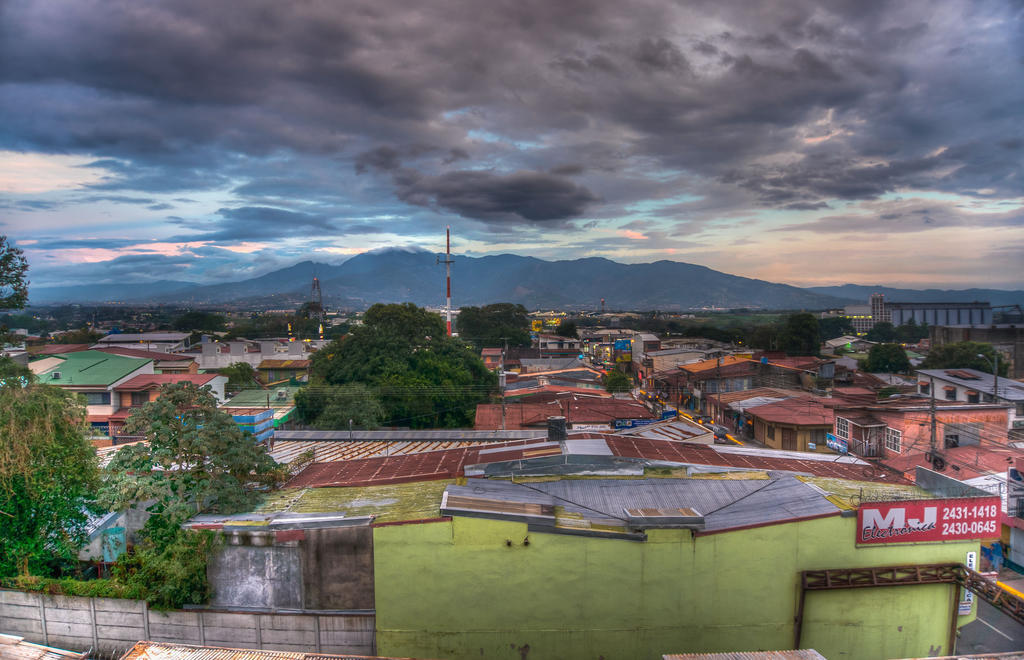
(110,626)
(457,589)
(337,568)
(254,576)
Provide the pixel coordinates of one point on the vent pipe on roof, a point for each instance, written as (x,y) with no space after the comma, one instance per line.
(556,429)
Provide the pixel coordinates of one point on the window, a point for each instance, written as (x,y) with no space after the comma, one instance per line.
(924,388)
(842,428)
(950,393)
(818,436)
(139,399)
(972,396)
(893,439)
(97,398)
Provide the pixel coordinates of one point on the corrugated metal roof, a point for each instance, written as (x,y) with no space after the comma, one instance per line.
(164,651)
(725,503)
(586,446)
(420,436)
(329,451)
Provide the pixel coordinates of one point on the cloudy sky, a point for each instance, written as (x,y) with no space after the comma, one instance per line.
(799,142)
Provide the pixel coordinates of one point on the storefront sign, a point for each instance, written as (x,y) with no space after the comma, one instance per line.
(836,444)
(968,599)
(916,521)
(632,423)
(591,427)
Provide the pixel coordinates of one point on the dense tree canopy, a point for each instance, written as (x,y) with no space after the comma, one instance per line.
(887,358)
(799,335)
(567,329)
(331,407)
(964,355)
(48,473)
(422,377)
(616,381)
(834,326)
(201,321)
(13,284)
(240,375)
(883,332)
(492,325)
(196,459)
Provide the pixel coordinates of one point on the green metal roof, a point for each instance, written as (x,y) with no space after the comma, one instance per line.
(259,398)
(91,368)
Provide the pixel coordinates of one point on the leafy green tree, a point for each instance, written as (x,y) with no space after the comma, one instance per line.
(48,473)
(196,459)
(765,337)
(835,326)
(887,358)
(882,332)
(240,376)
(616,381)
(331,407)
(13,285)
(910,332)
(567,329)
(800,336)
(492,325)
(964,355)
(422,377)
(200,321)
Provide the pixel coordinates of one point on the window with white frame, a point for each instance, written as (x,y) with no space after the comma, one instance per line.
(893,439)
(842,428)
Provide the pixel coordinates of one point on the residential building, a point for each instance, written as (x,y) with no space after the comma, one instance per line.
(901,427)
(95,375)
(276,371)
(491,357)
(162,342)
(796,424)
(558,346)
(848,344)
(973,386)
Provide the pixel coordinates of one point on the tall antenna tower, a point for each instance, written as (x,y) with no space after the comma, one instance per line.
(316,304)
(448,278)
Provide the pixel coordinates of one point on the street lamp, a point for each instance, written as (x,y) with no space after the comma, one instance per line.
(995,374)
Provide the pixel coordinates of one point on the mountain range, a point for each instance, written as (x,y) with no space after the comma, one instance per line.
(402,275)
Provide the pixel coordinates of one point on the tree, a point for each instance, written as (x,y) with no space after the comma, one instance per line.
(355,403)
(910,332)
(567,329)
(196,459)
(616,381)
(200,321)
(13,285)
(835,326)
(882,332)
(80,336)
(887,358)
(492,326)
(240,375)
(48,473)
(800,336)
(964,355)
(422,377)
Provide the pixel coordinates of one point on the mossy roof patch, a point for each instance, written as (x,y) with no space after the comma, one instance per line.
(388,503)
(847,494)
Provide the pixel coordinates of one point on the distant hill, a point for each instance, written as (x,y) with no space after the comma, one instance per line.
(402,275)
(862,294)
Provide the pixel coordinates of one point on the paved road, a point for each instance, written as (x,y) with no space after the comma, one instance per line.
(992,632)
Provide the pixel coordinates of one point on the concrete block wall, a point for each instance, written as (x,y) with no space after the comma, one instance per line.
(109,626)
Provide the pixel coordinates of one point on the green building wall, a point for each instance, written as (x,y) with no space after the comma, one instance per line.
(455,589)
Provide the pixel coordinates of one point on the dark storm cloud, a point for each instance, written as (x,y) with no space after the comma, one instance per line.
(485,114)
(524,197)
(55,243)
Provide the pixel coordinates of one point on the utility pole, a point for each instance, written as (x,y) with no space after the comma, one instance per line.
(931,388)
(501,382)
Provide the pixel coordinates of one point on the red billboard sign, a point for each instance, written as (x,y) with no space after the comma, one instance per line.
(915,521)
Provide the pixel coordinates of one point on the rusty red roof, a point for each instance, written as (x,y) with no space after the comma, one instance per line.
(149,355)
(961,462)
(150,381)
(798,412)
(683,452)
(57,349)
(576,410)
